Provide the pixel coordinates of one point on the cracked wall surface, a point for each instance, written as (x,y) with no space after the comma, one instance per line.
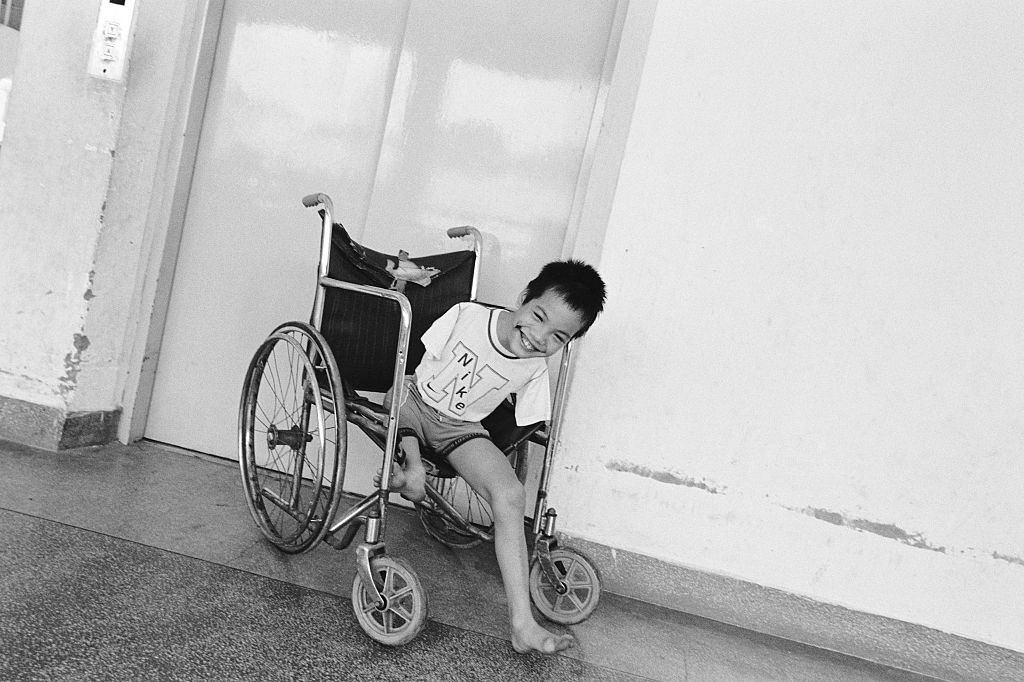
(78,163)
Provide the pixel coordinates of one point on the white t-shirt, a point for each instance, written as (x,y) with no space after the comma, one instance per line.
(466,373)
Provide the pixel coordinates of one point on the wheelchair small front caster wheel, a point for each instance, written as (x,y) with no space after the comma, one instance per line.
(404,612)
(576,597)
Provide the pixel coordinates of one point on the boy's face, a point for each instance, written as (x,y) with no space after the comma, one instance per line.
(542,326)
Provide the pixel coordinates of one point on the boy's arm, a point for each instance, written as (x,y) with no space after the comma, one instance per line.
(533,401)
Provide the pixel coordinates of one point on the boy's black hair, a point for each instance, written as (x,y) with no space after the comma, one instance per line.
(577,283)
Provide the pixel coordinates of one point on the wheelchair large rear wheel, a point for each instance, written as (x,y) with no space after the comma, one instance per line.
(473,509)
(455,532)
(404,612)
(579,589)
(292,437)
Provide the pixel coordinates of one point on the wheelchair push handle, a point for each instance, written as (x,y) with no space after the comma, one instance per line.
(318,199)
(463,231)
(322,202)
(478,245)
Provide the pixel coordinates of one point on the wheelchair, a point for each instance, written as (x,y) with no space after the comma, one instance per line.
(305,384)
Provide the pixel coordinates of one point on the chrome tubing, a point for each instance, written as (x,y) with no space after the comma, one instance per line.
(478,245)
(322,202)
(554,434)
(404,333)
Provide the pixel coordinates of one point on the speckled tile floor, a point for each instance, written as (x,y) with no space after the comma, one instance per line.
(141,562)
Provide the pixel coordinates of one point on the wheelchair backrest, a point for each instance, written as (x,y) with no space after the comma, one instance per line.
(362,331)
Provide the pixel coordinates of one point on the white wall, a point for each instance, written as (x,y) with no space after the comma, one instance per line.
(8,56)
(136,189)
(8,51)
(820,387)
(55,164)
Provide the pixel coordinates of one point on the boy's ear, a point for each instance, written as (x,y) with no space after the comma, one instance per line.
(522,298)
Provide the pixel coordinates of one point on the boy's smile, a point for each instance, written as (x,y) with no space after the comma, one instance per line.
(538,328)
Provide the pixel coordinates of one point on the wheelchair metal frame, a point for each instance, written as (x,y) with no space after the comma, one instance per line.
(381,425)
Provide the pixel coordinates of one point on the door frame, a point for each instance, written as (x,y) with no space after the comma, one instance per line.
(168,203)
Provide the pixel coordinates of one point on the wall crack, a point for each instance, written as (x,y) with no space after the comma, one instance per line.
(885,530)
(663,476)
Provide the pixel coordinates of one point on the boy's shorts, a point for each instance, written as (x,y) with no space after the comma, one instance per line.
(437,433)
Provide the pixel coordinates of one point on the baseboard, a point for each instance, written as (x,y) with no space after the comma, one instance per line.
(51,428)
(774,612)
(89,428)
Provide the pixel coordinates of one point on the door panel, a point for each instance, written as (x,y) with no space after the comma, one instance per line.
(488,126)
(298,100)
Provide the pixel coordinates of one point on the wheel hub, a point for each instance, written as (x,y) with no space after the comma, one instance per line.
(293,437)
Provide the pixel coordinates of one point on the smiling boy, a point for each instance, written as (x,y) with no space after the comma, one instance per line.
(476,356)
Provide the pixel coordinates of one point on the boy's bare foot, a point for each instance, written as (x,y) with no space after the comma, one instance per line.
(532,637)
(409,483)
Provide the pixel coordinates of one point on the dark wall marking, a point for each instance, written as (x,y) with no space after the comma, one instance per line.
(72,364)
(1010,559)
(886,530)
(662,476)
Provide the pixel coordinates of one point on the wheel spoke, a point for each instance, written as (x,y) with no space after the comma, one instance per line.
(285,387)
(289,387)
(577,603)
(576,576)
(266,421)
(550,594)
(389,582)
(276,461)
(276,389)
(401,612)
(580,583)
(401,594)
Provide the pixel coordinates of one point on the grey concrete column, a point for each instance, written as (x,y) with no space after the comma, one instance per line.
(79,165)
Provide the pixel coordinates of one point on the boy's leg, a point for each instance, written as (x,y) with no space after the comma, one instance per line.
(410,479)
(488,472)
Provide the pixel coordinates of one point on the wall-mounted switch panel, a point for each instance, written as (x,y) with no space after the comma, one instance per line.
(111,40)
